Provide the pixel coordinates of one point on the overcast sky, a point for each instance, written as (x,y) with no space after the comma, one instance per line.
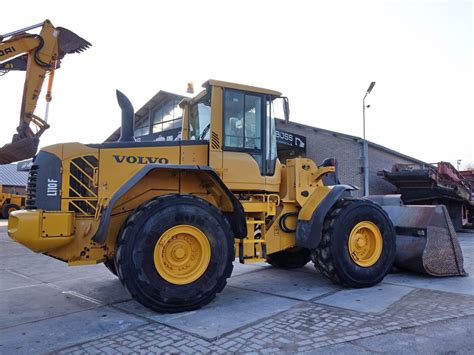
(321,54)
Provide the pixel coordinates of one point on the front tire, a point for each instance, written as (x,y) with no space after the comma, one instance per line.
(358,247)
(9,208)
(175,253)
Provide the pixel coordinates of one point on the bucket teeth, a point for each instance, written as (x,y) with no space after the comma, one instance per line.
(69,42)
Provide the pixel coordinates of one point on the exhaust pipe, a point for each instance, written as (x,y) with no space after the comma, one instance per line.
(128,118)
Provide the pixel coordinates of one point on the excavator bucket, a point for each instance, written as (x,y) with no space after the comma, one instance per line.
(20,150)
(426,240)
(69,42)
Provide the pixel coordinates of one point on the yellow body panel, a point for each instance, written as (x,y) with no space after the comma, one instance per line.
(117,166)
(41,231)
(226,84)
(241,172)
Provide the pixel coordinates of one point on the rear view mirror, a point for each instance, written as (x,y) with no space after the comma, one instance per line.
(286,108)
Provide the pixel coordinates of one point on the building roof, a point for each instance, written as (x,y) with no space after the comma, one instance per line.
(11,177)
(155,101)
(349,137)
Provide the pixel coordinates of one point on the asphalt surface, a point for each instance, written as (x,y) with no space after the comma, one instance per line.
(46,306)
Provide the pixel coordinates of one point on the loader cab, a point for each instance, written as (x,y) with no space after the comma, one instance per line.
(238,121)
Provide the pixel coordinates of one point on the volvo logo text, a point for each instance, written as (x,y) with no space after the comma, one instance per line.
(132,159)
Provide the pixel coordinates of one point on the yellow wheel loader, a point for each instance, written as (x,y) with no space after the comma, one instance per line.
(38,55)
(10,202)
(169,218)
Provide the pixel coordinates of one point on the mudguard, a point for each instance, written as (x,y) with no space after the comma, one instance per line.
(309,232)
(236,218)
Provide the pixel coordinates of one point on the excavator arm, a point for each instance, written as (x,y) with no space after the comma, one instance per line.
(38,55)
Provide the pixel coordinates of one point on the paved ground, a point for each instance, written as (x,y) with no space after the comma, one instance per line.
(46,306)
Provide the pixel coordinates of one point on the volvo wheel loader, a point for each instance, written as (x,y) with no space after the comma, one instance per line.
(169,218)
(38,55)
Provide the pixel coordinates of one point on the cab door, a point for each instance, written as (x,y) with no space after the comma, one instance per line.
(247,136)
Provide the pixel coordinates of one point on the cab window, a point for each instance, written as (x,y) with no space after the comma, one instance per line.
(242,120)
(200,119)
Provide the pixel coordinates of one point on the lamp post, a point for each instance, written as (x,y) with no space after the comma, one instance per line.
(365,149)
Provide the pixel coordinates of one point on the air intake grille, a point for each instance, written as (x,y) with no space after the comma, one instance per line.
(82,189)
(30,203)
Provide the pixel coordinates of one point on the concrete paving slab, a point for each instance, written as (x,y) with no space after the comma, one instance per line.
(232,309)
(240,269)
(28,304)
(46,269)
(105,288)
(11,248)
(286,283)
(456,284)
(59,332)
(10,280)
(375,299)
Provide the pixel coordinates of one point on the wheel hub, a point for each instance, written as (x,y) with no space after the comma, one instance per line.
(182,254)
(365,244)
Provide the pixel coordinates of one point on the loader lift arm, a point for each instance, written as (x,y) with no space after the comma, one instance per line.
(38,55)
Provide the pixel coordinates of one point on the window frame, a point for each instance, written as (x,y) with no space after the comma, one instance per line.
(262,123)
(174,103)
(265,169)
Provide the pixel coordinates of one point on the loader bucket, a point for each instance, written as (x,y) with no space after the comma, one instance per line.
(69,42)
(20,150)
(426,240)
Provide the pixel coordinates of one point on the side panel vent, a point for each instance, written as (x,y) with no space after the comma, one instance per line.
(215,143)
(82,188)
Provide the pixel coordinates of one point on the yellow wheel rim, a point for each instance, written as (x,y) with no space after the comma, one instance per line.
(182,254)
(365,244)
(11,209)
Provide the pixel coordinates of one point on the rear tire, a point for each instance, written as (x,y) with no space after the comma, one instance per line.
(293,258)
(175,253)
(9,208)
(348,223)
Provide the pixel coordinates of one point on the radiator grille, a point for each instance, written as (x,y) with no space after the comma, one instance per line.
(30,202)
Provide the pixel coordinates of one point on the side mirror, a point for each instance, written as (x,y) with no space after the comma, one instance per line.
(286,108)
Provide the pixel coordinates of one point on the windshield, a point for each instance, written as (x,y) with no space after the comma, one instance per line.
(200,119)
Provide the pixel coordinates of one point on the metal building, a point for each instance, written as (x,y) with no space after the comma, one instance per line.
(12,181)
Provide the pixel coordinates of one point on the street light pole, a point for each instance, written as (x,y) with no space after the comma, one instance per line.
(365,148)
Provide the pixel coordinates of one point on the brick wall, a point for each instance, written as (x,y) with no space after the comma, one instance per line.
(322,144)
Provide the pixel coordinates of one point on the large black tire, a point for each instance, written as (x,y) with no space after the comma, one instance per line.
(332,257)
(110,265)
(8,208)
(142,231)
(293,258)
